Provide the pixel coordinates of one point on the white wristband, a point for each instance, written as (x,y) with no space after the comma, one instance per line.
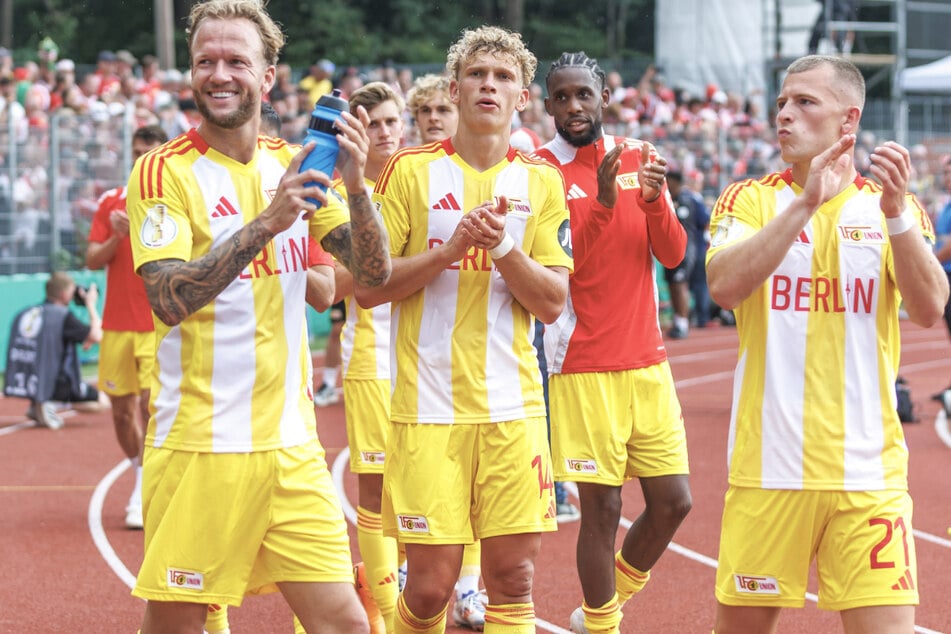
(502,248)
(901,224)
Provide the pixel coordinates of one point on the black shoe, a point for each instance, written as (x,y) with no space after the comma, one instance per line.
(676,333)
(939,396)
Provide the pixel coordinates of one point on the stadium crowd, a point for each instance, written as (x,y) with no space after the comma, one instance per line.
(713,138)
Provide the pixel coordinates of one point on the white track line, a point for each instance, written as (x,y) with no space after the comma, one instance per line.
(95,524)
(338,471)
(17,427)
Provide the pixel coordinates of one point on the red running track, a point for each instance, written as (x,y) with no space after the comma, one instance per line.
(67,559)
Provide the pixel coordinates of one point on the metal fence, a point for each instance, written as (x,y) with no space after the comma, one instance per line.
(52,176)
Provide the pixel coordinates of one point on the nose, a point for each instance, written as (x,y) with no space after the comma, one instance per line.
(220,71)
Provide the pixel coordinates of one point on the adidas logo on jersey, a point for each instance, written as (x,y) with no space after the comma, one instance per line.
(447,203)
(224,208)
(575,192)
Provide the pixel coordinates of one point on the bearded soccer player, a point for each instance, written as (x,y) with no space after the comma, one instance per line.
(614,411)
(220,219)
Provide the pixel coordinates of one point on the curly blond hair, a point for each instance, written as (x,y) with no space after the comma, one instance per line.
(426,88)
(272,38)
(494,40)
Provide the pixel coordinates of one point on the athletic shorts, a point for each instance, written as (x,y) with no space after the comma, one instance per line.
(222,525)
(683,271)
(125,361)
(862,543)
(608,427)
(338,312)
(451,484)
(367,406)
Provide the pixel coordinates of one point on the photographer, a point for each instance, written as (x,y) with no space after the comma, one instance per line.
(43,355)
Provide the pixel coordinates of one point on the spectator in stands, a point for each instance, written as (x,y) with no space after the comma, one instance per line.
(318,82)
(43,351)
(127,349)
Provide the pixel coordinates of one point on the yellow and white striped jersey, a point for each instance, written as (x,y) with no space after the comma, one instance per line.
(234,375)
(365,340)
(814,387)
(463,345)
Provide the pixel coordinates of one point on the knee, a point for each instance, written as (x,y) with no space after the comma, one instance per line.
(510,581)
(427,594)
(600,508)
(672,510)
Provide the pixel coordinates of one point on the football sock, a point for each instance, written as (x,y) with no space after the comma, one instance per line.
(380,560)
(408,623)
(627,579)
(471,569)
(216,620)
(603,620)
(510,618)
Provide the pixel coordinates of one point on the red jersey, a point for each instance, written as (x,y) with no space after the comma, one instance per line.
(316,254)
(610,321)
(127,306)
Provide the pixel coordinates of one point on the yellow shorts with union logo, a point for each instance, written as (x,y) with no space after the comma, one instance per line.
(608,427)
(861,540)
(125,361)
(367,404)
(222,525)
(451,484)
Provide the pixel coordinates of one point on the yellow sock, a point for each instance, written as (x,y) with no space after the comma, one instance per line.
(606,619)
(216,620)
(380,560)
(510,618)
(408,623)
(298,628)
(471,568)
(627,579)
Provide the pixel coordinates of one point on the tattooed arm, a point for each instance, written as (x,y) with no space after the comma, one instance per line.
(362,245)
(176,289)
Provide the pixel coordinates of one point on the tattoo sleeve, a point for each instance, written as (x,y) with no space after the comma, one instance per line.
(362,246)
(176,289)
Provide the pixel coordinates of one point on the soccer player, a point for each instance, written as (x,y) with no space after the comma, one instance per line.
(127,349)
(432,109)
(614,411)
(437,118)
(816,261)
(478,234)
(220,219)
(366,378)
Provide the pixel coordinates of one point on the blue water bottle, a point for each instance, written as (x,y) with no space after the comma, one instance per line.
(321,129)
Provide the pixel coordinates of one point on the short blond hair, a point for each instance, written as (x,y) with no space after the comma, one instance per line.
(848,77)
(272,38)
(494,40)
(426,88)
(372,95)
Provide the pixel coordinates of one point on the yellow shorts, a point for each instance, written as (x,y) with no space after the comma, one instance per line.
(862,543)
(608,427)
(451,484)
(125,361)
(222,525)
(367,404)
